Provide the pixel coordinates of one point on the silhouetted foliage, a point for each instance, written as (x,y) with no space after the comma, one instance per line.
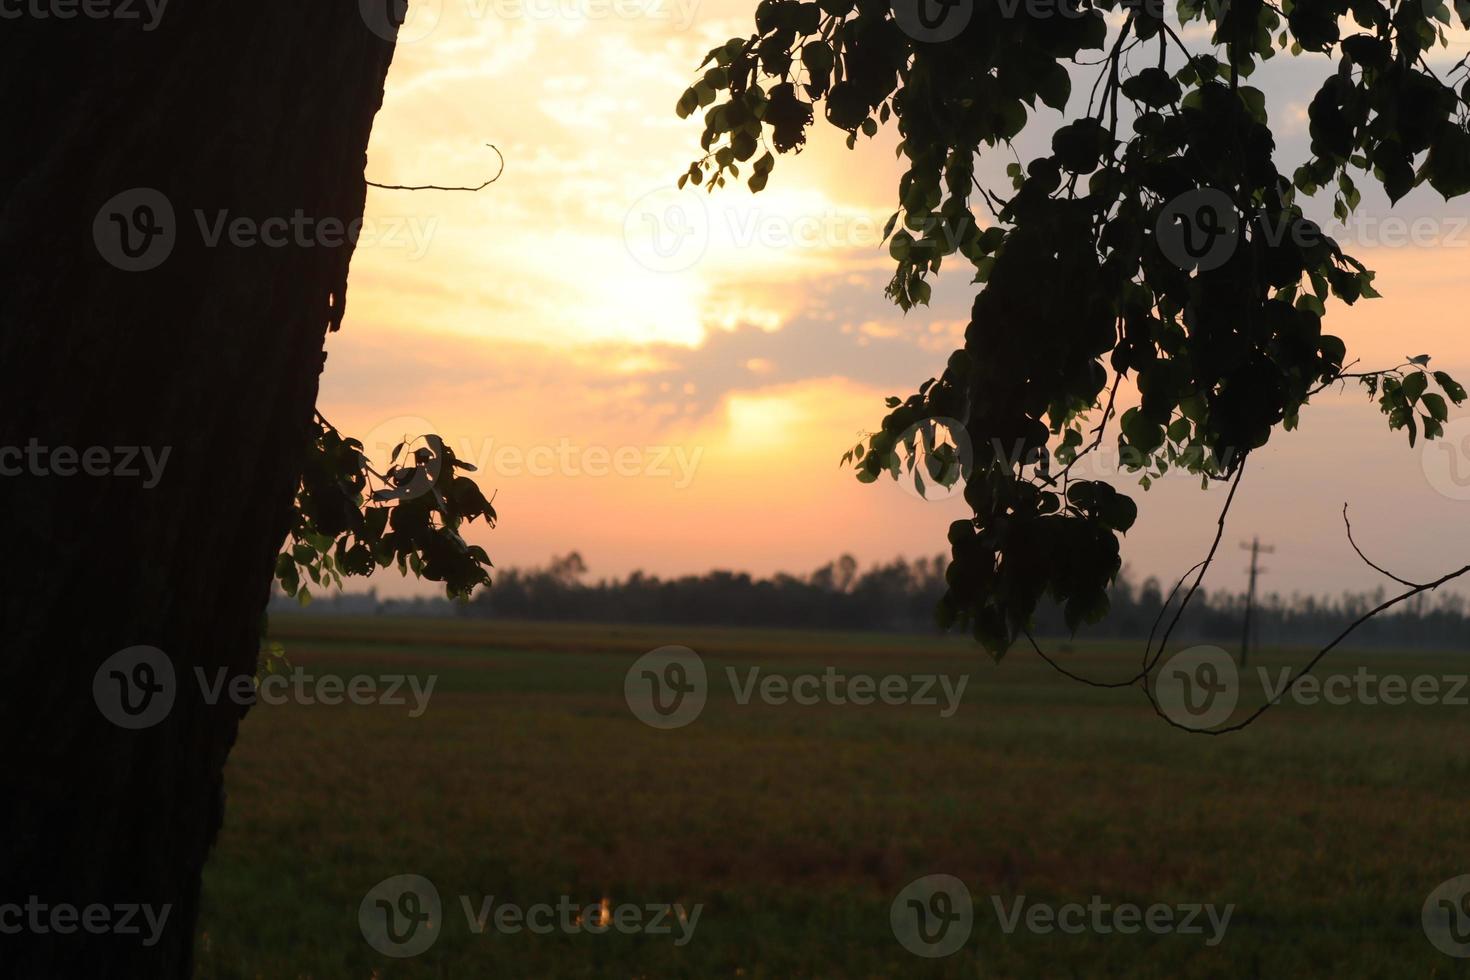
(347,527)
(1221,351)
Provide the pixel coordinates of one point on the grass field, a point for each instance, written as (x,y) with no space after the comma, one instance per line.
(794,827)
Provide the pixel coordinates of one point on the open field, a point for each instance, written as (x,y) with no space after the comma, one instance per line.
(795,826)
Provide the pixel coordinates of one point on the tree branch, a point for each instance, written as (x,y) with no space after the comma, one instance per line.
(436,187)
(1376,568)
(1249,719)
(1148,664)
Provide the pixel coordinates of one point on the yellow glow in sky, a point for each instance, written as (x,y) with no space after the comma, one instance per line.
(728,349)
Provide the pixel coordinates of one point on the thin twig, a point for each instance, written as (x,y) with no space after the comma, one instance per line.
(436,187)
(1148,664)
(1416,590)
(1203,568)
(1366,561)
(1099,431)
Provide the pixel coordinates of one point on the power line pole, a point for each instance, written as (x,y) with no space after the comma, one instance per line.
(1257,550)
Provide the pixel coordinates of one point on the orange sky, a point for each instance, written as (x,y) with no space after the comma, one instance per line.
(667,381)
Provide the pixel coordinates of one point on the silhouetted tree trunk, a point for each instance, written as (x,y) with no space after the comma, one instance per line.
(257,109)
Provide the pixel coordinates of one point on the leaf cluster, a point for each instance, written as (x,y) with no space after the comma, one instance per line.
(352,520)
(1079,290)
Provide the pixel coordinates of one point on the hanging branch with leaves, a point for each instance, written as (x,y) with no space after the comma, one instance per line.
(352,519)
(1157,245)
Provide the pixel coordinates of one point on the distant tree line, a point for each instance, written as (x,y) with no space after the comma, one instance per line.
(900,596)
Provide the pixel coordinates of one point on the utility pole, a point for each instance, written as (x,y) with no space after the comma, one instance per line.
(1257,550)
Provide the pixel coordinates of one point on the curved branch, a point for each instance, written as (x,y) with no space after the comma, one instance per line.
(1062,475)
(1376,568)
(1148,663)
(436,187)
(1249,719)
(1203,566)
(1413,590)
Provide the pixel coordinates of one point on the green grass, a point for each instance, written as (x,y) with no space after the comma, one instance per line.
(795,826)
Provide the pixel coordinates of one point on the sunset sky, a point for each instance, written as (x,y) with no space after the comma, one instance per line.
(667,381)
